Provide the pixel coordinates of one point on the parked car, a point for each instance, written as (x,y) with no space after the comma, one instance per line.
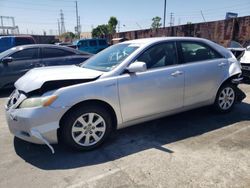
(245,63)
(16,61)
(91,45)
(7,42)
(125,84)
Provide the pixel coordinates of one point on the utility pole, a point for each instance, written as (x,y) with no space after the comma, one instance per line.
(77,22)
(119,26)
(59,29)
(2,24)
(171,23)
(62,22)
(165,9)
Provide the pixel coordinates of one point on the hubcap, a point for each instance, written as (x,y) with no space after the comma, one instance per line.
(226,98)
(88,129)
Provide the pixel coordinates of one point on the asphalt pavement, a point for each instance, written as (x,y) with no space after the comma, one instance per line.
(198,148)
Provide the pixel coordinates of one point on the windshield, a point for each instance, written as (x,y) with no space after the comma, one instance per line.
(110,58)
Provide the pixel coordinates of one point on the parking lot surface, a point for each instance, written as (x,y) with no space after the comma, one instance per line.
(198,148)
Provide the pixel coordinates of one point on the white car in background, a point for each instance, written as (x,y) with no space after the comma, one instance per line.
(245,63)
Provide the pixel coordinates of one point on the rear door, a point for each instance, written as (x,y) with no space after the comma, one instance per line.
(23,61)
(204,70)
(54,56)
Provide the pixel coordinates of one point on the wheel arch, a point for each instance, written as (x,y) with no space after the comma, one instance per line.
(227,81)
(93,102)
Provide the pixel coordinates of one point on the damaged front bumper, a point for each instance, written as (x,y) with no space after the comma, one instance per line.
(35,125)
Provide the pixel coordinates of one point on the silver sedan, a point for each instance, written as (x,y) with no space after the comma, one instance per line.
(128,83)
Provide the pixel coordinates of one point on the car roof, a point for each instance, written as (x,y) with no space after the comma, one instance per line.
(92,39)
(43,46)
(16,48)
(159,39)
(19,36)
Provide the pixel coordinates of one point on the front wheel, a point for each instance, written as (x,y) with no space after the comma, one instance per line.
(86,127)
(225,98)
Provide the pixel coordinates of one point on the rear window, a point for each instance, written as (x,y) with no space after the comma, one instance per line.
(22,41)
(102,42)
(92,43)
(193,51)
(52,52)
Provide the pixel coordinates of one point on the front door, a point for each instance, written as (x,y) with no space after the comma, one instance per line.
(23,61)
(157,90)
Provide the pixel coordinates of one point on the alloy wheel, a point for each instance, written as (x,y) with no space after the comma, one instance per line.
(88,129)
(226,98)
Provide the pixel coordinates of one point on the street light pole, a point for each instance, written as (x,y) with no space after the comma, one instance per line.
(165,9)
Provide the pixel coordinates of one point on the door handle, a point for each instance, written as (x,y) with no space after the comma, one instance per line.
(176,73)
(222,64)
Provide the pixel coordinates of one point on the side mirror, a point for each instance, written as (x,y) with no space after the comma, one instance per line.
(7,60)
(137,67)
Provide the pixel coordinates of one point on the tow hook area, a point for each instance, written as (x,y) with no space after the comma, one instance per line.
(36,134)
(240,95)
(237,80)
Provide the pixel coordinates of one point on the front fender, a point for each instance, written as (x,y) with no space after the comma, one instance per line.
(102,89)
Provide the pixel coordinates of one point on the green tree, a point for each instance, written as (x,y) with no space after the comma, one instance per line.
(100,31)
(112,23)
(105,29)
(156,22)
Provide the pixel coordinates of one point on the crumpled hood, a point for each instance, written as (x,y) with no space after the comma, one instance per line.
(35,78)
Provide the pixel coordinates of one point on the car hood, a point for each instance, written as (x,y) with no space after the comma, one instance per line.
(57,76)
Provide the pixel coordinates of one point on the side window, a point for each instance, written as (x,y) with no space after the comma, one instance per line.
(23,41)
(52,52)
(92,43)
(160,55)
(26,54)
(83,43)
(197,52)
(102,43)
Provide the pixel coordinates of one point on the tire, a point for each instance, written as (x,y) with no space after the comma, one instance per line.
(86,127)
(225,98)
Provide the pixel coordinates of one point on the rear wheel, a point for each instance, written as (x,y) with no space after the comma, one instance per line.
(86,127)
(225,98)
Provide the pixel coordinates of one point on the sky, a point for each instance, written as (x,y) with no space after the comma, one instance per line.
(35,17)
